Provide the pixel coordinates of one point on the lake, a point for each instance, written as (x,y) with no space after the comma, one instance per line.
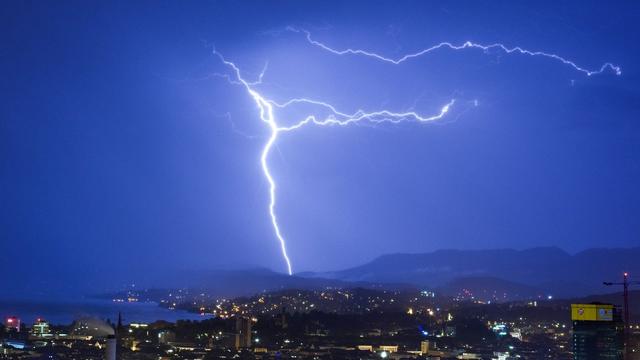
(64,312)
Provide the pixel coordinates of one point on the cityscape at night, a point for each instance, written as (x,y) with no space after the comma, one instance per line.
(320,179)
(331,323)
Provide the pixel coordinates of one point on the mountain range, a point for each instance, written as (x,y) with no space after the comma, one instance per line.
(548,270)
(488,274)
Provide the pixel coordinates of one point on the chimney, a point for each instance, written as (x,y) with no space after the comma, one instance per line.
(110,350)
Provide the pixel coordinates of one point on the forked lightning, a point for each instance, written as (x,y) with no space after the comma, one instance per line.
(335,117)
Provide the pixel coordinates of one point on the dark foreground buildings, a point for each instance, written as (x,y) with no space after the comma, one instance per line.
(598,332)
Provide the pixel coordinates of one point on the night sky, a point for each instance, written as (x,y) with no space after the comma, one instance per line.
(122,152)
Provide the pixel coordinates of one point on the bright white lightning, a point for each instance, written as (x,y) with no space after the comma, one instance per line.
(466,45)
(266,115)
(339,118)
(336,117)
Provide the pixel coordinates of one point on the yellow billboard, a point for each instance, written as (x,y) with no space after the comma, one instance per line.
(592,312)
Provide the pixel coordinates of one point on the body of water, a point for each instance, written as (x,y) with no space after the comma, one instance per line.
(64,312)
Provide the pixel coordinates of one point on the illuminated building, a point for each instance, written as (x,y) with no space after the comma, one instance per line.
(598,332)
(166,336)
(243,332)
(12,324)
(388,348)
(91,327)
(40,328)
(424,347)
(500,329)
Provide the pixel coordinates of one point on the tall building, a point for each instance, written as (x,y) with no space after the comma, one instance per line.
(12,324)
(243,332)
(40,328)
(598,332)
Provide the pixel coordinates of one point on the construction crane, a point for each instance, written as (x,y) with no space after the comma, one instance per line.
(625,285)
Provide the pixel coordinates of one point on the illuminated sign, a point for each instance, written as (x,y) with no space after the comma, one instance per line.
(592,312)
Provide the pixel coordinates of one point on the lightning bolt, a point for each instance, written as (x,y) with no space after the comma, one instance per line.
(336,117)
(466,45)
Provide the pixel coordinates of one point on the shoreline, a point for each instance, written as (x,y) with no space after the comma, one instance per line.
(64,312)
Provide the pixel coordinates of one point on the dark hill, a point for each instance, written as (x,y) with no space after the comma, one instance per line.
(547,269)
